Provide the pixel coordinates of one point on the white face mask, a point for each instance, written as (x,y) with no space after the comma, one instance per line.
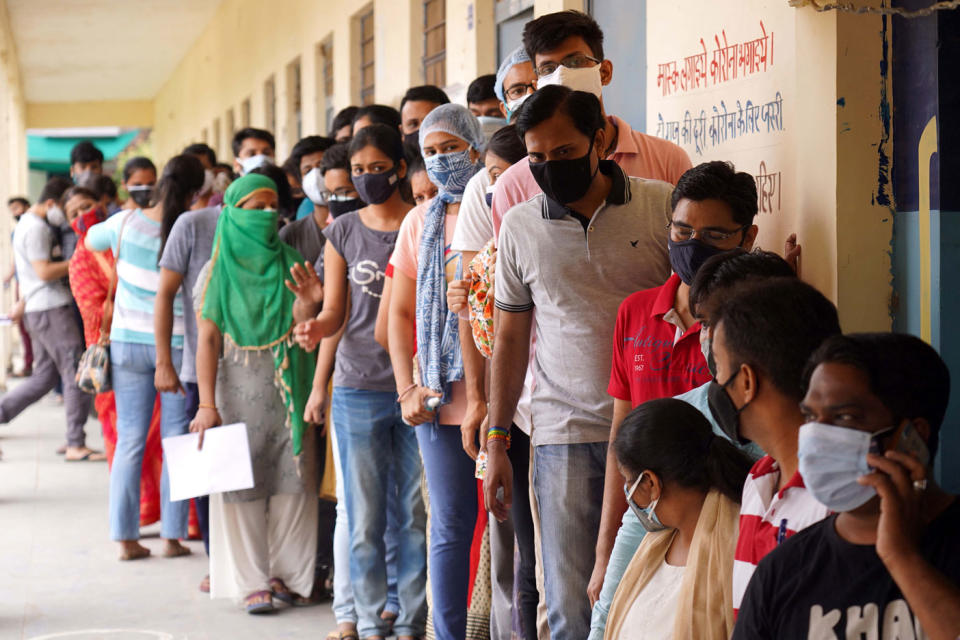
(313,187)
(56,217)
(582,79)
(514,105)
(207,182)
(249,164)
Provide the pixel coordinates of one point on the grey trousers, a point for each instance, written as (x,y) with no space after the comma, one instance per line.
(57,346)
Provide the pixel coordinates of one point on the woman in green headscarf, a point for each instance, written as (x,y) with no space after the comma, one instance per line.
(249,369)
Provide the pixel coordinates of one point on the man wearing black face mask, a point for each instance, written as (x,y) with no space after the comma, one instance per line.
(574,252)
(656,344)
(763,333)
(416,103)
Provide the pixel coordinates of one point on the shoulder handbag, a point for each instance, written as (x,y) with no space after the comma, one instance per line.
(93,370)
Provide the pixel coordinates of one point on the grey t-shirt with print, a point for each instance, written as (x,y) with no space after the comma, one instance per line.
(187,249)
(361,362)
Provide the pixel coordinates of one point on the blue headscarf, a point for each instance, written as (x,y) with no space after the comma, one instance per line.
(438,337)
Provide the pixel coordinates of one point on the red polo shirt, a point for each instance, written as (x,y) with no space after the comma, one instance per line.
(649,361)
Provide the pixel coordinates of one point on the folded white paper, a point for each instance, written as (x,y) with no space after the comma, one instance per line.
(222,465)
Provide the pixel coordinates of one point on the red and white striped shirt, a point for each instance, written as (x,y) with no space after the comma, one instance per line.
(768,517)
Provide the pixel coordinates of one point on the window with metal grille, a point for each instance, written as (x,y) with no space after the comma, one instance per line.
(366,57)
(435,42)
(325,84)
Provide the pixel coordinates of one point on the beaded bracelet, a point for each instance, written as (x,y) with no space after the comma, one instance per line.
(499,433)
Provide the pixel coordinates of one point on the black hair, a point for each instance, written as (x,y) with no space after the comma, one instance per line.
(54,188)
(386,139)
(85,151)
(344,118)
(182,177)
(774,325)
(137,163)
(107,187)
(285,203)
(425,93)
(482,89)
(731,267)
(202,149)
(18,199)
(250,132)
(306,146)
(547,32)
(77,190)
(674,440)
(581,107)
(506,144)
(379,114)
(718,180)
(226,167)
(904,372)
(415,161)
(336,157)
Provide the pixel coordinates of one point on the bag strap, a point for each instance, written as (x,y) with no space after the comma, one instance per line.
(106,320)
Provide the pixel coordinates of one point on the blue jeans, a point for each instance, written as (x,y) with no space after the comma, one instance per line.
(133,367)
(568,484)
(372,438)
(191,406)
(453,516)
(343,607)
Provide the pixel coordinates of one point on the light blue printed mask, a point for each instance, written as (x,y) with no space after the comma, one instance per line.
(646,515)
(831,460)
(451,171)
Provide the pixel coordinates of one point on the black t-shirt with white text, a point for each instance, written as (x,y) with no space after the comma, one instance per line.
(817,586)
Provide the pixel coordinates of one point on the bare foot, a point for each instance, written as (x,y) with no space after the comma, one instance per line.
(83,454)
(132,550)
(205,584)
(173,549)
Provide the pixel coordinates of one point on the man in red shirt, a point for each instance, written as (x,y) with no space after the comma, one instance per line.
(656,343)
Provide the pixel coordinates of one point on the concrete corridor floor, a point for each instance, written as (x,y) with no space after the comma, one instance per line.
(59,573)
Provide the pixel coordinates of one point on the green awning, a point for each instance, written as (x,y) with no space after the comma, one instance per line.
(53,154)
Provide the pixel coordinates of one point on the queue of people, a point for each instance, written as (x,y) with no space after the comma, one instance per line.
(534,354)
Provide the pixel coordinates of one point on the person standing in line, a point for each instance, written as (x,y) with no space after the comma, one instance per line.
(378,452)
(49,317)
(249,370)
(451,140)
(137,239)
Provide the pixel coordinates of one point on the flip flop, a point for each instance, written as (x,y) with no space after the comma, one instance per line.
(181,551)
(89,456)
(253,607)
(128,556)
(282,592)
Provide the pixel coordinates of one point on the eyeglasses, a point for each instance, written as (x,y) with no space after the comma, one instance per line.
(517,91)
(573,61)
(680,232)
(341,194)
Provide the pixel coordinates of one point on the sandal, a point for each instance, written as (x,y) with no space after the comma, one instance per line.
(282,593)
(88,455)
(259,602)
(176,551)
(137,554)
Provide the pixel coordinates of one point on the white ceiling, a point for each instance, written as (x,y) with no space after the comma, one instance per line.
(79,50)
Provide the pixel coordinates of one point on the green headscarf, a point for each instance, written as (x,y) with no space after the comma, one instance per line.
(246,298)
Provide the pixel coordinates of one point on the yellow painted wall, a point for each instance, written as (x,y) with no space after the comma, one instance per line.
(13,163)
(235,55)
(108,113)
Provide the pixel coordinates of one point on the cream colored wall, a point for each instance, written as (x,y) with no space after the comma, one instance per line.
(13,164)
(108,113)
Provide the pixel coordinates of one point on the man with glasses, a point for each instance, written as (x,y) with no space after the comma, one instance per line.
(567,49)
(656,343)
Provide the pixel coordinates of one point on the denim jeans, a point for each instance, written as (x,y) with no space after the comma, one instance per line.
(372,438)
(191,406)
(133,367)
(343,609)
(568,483)
(453,516)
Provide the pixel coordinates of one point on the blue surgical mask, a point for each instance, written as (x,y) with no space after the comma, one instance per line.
(646,515)
(831,460)
(451,171)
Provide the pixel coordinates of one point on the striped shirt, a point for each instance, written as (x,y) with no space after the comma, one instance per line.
(138,277)
(768,517)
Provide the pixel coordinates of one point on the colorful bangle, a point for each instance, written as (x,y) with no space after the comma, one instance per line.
(499,433)
(402,394)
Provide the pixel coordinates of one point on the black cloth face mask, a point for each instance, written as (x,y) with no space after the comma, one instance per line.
(565,181)
(376,188)
(339,207)
(724,411)
(688,256)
